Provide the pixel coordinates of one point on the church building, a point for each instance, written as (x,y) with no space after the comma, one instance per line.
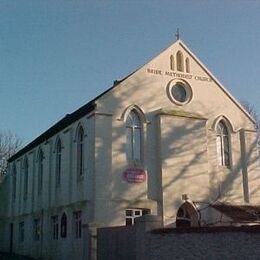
(167,140)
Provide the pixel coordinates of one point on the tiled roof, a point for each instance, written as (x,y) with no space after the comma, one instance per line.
(239,213)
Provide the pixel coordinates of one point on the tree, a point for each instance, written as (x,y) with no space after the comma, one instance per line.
(252,111)
(9,144)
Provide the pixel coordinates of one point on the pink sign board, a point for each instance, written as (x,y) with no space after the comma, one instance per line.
(134,175)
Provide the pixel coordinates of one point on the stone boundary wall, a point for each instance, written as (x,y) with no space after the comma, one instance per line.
(147,240)
(204,243)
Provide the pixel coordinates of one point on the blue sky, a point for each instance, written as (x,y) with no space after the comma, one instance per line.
(56,55)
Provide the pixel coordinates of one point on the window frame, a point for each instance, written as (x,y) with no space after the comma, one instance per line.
(26,178)
(14,184)
(223,144)
(40,171)
(63,225)
(77,218)
(37,229)
(80,152)
(179,61)
(172,62)
(55,227)
(21,232)
(187,65)
(134,137)
(132,213)
(58,160)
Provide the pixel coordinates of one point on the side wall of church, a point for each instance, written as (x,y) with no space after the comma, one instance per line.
(74,194)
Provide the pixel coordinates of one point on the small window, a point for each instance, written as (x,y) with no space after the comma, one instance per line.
(80,152)
(179,59)
(77,224)
(223,144)
(58,162)
(21,232)
(37,229)
(172,62)
(63,226)
(55,227)
(187,63)
(40,171)
(26,172)
(14,183)
(131,214)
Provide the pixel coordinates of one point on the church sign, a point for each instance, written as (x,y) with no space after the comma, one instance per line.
(177,75)
(134,175)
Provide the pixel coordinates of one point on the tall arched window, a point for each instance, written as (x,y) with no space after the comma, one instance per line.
(223,144)
(179,60)
(40,171)
(14,182)
(187,63)
(63,225)
(26,170)
(58,162)
(80,151)
(133,136)
(172,62)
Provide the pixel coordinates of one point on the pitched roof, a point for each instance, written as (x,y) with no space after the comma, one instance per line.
(64,122)
(90,106)
(239,213)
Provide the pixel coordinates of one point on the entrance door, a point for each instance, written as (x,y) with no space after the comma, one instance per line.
(11,237)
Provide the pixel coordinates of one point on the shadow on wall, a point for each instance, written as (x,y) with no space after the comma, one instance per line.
(183,155)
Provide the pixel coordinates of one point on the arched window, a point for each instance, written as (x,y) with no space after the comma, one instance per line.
(133,136)
(40,171)
(14,182)
(187,63)
(63,225)
(80,151)
(187,216)
(183,218)
(172,62)
(58,162)
(26,169)
(179,59)
(223,144)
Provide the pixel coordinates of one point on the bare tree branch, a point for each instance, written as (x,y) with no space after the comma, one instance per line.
(250,108)
(9,144)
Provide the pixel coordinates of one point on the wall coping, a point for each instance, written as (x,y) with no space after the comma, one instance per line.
(220,229)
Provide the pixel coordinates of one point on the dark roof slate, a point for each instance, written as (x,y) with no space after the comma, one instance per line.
(239,213)
(60,125)
(66,121)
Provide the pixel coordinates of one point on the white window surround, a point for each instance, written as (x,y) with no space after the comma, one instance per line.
(80,151)
(134,137)
(179,92)
(132,213)
(223,144)
(179,61)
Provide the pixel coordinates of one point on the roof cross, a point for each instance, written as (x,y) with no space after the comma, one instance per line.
(177,34)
